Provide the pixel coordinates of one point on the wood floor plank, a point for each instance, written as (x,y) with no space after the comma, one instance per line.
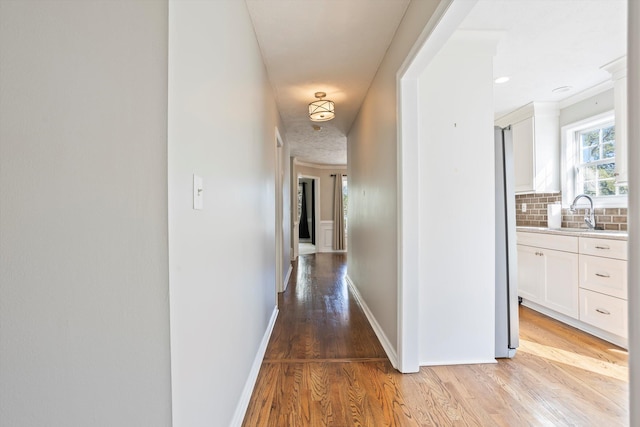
(324,366)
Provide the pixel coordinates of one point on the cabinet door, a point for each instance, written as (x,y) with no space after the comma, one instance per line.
(604,275)
(605,312)
(561,282)
(530,273)
(523,155)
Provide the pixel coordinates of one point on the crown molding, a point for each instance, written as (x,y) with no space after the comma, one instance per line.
(317,165)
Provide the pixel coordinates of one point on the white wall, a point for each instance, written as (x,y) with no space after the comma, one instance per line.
(222,119)
(592,106)
(371,150)
(84,304)
(457,203)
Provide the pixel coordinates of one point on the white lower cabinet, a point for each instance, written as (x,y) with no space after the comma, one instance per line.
(561,279)
(603,285)
(549,277)
(582,278)
(604,275)
(605,312)
(530,273)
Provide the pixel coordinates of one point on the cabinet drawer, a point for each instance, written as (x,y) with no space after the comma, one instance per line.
(603,247)
(604,275)
(548,241)
(604,312)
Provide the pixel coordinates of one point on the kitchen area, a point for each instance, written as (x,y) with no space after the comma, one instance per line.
(571,187)
(560,91)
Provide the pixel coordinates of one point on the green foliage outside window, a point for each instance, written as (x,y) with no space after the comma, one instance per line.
(596,171)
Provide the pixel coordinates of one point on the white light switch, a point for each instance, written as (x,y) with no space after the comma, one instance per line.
(524,207)
(198,191)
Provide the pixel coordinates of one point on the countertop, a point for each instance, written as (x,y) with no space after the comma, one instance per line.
(603,234)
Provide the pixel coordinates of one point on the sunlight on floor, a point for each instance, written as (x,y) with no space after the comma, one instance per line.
(591,364)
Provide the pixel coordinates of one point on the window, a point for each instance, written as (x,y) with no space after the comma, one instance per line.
(590,162)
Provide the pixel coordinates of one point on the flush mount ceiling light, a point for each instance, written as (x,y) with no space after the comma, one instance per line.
(500,80)
(322,109)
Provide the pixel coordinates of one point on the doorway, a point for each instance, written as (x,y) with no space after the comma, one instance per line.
(306,218)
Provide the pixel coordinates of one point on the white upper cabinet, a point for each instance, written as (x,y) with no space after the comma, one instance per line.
(536,147)
(523,149)
(618,70)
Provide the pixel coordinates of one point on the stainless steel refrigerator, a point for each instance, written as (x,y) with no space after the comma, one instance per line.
(507,328)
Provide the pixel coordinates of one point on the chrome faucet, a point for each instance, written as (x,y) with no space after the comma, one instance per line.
(589,214)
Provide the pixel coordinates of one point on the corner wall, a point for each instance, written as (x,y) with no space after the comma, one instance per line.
(84,304)
(457,168)
(222,119)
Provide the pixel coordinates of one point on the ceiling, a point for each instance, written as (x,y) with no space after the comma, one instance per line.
(331,46)
(336,46)
(549,44)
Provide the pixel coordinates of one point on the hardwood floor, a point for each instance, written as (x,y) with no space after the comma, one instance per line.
(325,367)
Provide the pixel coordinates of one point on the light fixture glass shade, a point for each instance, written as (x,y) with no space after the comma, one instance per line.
(321,110)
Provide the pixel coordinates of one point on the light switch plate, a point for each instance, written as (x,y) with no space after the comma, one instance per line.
(198,191)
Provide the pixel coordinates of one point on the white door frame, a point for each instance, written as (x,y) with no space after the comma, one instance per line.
(633,90)
(445,20)
(279,232)
(316,206)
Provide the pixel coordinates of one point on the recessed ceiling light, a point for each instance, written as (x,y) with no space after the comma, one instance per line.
(562,89)
(502,79)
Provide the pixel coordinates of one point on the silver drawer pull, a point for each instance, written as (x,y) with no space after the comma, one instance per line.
(603,247)
(605,275)
(603,311)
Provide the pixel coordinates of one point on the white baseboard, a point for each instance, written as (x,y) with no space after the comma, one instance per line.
(245,397)
(286,278)
(386,344)
(491,361)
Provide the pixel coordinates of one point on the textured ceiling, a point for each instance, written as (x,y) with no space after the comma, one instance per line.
(336,46)
(332,46)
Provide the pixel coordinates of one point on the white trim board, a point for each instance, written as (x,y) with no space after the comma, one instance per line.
(245,397)
(317,165)
(386,344)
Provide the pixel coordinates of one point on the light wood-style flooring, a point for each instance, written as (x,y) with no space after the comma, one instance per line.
(325,367)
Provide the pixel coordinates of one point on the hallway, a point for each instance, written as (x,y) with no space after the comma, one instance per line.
(324,366)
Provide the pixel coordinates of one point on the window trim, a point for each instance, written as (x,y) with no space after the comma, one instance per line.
(569,160)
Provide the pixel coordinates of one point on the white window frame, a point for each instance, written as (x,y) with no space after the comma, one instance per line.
(570,158)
